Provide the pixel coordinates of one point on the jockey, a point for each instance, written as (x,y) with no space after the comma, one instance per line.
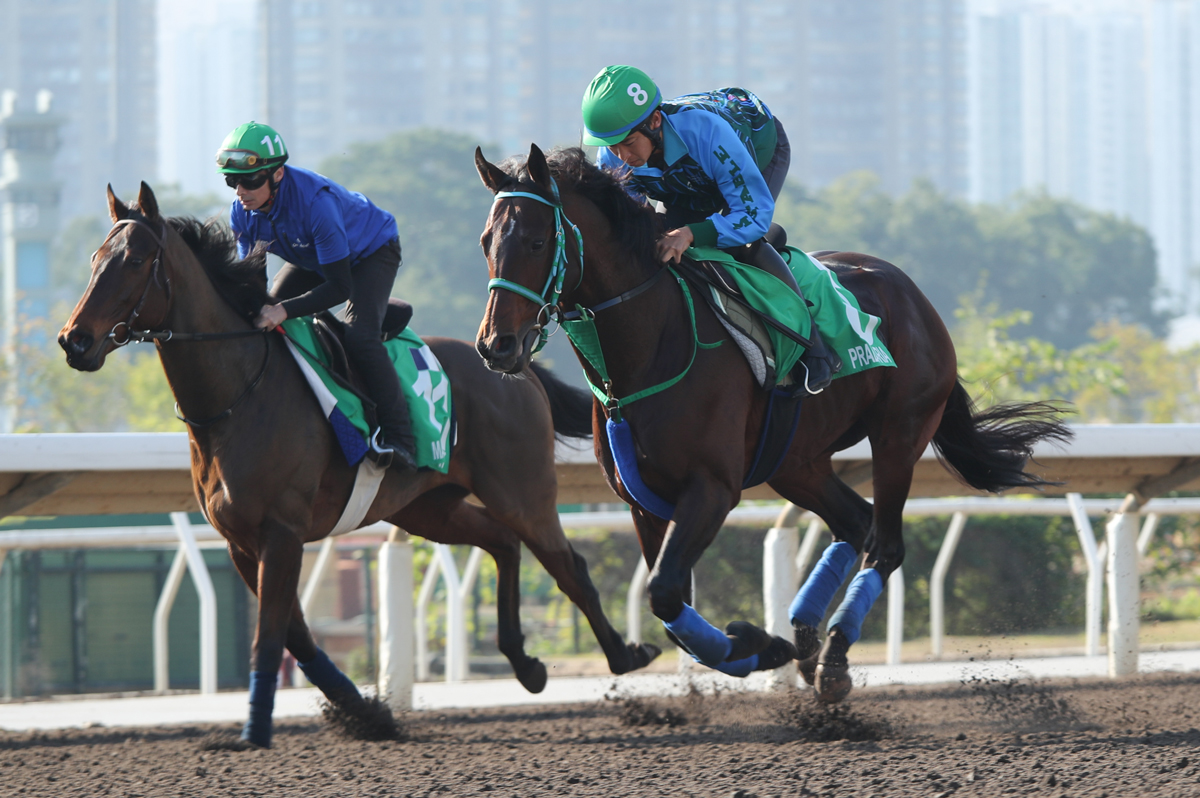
(338,247)
(690,154)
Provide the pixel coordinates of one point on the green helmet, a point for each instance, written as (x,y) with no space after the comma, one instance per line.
(618,99)
(250,148)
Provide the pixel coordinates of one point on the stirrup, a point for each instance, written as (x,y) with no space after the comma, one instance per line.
(808,373)
(382,457)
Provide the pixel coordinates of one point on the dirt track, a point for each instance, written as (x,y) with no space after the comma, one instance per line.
(1138,738)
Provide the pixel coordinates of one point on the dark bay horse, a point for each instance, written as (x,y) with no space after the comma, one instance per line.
(270,476)
(697,421)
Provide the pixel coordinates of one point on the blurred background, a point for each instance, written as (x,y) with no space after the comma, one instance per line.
(1033,164)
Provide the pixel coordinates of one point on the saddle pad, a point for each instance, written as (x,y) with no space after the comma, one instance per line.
(847,329)
(426,389)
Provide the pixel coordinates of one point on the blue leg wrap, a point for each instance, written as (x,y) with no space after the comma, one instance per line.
(813,599)
(708,644)
(861,594)
(262,701)
(740,668)
(325,675)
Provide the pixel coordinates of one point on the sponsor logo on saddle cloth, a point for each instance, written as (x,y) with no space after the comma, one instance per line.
(426,389)
(850,331)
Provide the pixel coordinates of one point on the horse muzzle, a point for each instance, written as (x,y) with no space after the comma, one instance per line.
(83,351)
(507,354)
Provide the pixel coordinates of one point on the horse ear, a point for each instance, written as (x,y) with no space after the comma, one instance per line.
(116,209)
(539,170)
(490,174)
(147,203)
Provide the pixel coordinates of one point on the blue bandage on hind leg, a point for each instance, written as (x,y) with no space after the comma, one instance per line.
(324,675)
(262,702)
(861,594)
(708,644)
(813,599)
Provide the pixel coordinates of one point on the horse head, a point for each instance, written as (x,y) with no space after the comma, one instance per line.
(525,245)
(128,289)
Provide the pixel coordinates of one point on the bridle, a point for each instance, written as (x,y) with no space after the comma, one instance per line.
(133,335)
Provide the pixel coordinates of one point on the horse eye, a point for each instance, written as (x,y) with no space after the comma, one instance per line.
(538,244)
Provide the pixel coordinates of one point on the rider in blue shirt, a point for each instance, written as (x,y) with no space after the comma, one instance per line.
(716,161)
(338,247)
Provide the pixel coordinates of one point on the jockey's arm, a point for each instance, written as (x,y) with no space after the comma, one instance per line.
(334,291)
(723,156)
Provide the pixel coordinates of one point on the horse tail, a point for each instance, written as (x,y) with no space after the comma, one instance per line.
(988,449)
(570,407)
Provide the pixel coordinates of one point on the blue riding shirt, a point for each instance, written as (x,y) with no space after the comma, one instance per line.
(314,221)
(714,145)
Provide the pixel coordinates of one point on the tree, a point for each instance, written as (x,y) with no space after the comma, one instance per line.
(1071,267)
(427,179)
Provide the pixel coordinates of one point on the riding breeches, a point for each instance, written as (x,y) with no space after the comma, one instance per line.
(373,279)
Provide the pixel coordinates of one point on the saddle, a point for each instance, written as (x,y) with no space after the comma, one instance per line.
(331,333)
(748,327)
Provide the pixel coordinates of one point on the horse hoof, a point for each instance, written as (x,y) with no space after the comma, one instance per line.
(533,676)
(779,653)
(643,654)
(808,669)
(808,641)
(746,639)
(832,683)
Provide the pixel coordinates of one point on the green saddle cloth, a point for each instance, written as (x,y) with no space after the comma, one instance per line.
(426,389)
(848,330)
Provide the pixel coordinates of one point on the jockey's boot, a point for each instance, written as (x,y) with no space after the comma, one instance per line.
(819,361)
(393,444)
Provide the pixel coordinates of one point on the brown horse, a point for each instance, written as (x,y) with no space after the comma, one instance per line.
(269,475)
(693,440)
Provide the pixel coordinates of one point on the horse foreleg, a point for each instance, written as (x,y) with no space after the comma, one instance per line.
(742,647)
(274,576)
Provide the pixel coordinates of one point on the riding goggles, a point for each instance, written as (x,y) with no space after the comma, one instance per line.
(239,159)
(252,181)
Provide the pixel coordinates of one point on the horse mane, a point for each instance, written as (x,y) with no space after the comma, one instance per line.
(635,224)
(242,283)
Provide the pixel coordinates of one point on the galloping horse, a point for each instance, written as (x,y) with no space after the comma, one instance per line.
(268,472)
(696,412)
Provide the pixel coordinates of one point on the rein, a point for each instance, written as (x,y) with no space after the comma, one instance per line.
(133,336)
(580,324)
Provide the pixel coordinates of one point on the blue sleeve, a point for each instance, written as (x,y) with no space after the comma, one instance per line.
(724,157)
(328,228)
(613,164)
(236,216)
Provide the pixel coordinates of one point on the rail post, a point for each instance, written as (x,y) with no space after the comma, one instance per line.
(456,628)
(937,583)
(162,618)
(779,585)
(633,601)
(208,601)
(1123,589)
(1095,577)
(396,632)
(895,616)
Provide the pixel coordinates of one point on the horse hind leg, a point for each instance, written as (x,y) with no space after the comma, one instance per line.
(443,517)
(848,517)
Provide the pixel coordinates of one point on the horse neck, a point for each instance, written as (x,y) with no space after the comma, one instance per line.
(637,334)
(205,376)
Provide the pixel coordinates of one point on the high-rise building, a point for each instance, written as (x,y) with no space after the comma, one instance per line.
(97,57)
(208,85)
(883,87)
(1058,104)
(29,196)
(510,72)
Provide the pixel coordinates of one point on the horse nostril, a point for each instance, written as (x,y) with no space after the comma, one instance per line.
(505,346)
(76,342)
